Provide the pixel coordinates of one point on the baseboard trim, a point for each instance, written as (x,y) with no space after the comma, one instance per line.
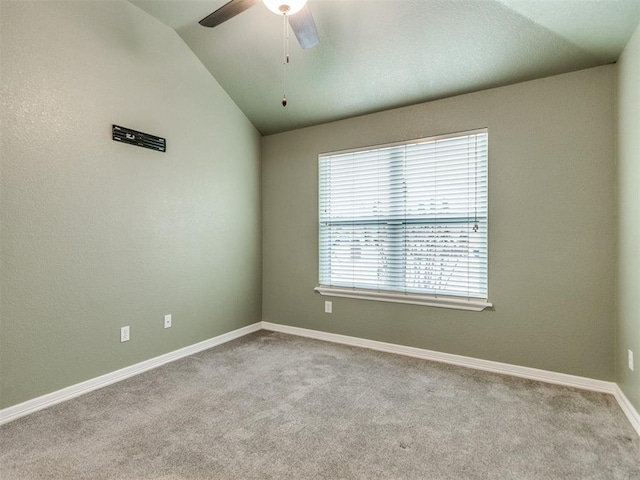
(628,409)
(30,406)
(475,363)
(470,362)
(460,360)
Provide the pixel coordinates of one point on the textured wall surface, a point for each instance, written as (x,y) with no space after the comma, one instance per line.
(551,226)
(96,234)
(628,281)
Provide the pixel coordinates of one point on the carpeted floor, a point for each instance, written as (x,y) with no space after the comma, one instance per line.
(271,406)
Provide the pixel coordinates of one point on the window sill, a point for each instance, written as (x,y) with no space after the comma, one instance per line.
(458,303)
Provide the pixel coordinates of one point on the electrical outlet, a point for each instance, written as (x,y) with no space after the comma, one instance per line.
(167,321)
(124,334)
(630,360)
(328,307)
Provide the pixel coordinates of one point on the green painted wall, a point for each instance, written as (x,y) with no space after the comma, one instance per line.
(97,235)
(551,226)
(628,274)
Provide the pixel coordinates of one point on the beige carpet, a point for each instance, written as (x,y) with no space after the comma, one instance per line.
(271,406)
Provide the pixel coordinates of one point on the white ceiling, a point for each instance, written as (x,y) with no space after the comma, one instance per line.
(380,54)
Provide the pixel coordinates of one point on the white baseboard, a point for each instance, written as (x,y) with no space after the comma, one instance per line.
(475,363)
(39,403)
(631,413)
(470,362)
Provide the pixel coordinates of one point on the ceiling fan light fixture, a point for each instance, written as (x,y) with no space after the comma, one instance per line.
(285,7)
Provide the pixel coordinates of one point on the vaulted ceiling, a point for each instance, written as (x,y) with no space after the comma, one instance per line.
(375,55)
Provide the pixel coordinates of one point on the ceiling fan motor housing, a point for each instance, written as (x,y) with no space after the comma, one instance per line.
(284,7)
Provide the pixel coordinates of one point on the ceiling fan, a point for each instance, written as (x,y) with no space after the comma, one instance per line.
(297,13)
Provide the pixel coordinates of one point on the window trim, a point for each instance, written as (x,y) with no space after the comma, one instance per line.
(434,300)
(443,301)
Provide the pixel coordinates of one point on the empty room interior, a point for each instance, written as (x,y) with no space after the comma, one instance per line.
(342,239)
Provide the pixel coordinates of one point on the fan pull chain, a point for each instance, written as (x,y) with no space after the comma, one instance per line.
(285,63)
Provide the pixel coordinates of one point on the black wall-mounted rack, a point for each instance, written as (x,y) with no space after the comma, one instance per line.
(133,137)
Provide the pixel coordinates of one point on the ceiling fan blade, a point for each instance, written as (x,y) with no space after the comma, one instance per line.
(304,27)
(227,11)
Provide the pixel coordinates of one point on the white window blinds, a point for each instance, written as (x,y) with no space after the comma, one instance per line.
(408,218)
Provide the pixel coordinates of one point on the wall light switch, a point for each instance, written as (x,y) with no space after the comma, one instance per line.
(167,321)
(328,307)
(631,360)
(124,334)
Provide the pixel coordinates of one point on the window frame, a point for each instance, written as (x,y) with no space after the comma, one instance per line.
(397,296)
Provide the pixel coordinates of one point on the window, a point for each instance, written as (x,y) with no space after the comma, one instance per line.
(407,222)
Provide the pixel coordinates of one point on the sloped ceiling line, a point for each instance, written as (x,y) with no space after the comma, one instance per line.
(380,54)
